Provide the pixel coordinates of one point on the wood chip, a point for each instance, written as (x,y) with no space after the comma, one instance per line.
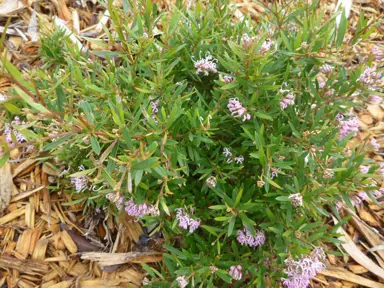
(40,249)
(352,250)
(6,186)
(373,238)
(357,269)
(11,216)
(343,274)
(68,242)
(27,266)
(368,217)
(108,259)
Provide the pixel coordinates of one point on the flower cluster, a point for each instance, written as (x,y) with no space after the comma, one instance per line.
(364,169)
(228,79)
(206,65)
(235,272)
(185,221)
(326,69)
(266,46)
(80,183)
(381,169)
(275,172)
(348,126)
(237,109)
(302,271)
(8,131)
(287,101)
(228,154)
(211,182)
(296,200)
(244,237)
(3,97)
(377,52)
(155,109)
(247,41)
(374,144)
(119,201)
(140,210)
(182,281)
(374,99)
(370,77)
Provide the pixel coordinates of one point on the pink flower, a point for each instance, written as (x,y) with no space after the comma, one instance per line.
(296,200)
(348,126)
(244,237)
(321,84)
(9,131)
(235,272)
(80,183)
(302,271)
(363,196)
(239,160)
(266,46)
(182,281)
(228,79)
(206,65)
(155,109)
(375,146)
(364,169)
(370,77)
(140,210)
(247,41)
(326,69)
(374,99)
(237,109)
(186,222)
(377,52)
(287,101)
(381,169)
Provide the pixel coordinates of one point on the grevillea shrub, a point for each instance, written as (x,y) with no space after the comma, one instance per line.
(227,136)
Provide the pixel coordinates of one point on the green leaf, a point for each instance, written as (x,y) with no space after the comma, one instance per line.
(273,183)
(343,25)
(224,276)
(147,163)
(57,142)
(231,226)
(37,106)
(218,207)
(95,145)
(77,201)
(210,229)
(282,198)
(4,159)
(12,108)
(262,115)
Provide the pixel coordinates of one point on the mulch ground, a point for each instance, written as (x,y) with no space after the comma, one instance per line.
(47,241)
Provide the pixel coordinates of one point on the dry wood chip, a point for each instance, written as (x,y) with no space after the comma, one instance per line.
(373,238)
(6,186)
(63,284)
(108,259)
(11,216)
(68,242)
(9,7)
(352,250)
(101,283)
(40,249)
(368,217)
(343,274)
(26,266)
(357,269)
(26,194)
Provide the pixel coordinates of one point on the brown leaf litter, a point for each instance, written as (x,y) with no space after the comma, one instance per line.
(47,243)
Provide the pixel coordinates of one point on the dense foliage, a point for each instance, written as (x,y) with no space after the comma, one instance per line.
(229,134)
